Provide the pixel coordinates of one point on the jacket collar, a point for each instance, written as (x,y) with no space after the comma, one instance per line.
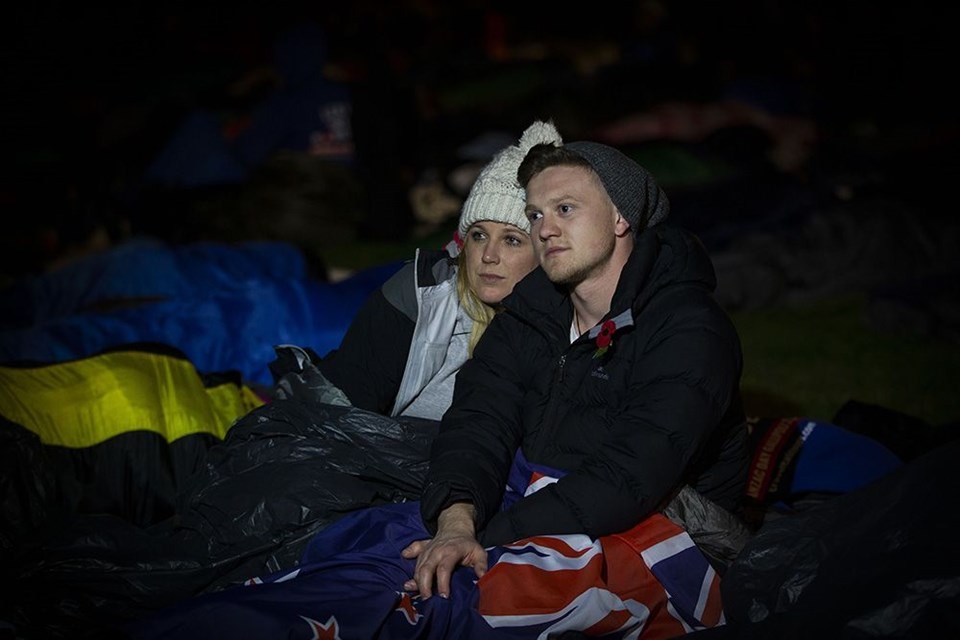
(433,266)
(660,256)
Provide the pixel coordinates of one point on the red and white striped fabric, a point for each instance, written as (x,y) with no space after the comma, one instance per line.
(649,582)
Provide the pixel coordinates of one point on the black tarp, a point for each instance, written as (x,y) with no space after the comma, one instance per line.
(284,471)
(879,562)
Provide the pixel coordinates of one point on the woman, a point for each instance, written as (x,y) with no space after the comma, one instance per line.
(437,306)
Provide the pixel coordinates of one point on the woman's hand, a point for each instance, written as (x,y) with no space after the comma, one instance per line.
(455,544)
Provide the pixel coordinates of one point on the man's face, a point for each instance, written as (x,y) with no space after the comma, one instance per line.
(573,223)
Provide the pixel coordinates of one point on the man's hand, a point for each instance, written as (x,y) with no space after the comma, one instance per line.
(455,544)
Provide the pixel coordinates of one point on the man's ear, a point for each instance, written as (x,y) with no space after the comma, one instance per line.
(621,226)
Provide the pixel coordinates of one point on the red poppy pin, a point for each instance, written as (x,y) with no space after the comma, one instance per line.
(605,337)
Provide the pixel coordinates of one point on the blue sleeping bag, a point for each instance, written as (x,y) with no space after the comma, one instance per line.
(223,305)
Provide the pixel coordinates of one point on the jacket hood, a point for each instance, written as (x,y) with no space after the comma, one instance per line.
(662,256)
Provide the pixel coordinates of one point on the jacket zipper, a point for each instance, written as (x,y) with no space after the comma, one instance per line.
(549,415)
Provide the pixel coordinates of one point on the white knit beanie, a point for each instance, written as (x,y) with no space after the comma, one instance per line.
(496,195)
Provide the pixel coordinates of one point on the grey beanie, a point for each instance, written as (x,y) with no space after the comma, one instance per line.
(632,188)
(496,195)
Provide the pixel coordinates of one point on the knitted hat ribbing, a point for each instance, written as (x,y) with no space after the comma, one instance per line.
(632,188)
(496,195)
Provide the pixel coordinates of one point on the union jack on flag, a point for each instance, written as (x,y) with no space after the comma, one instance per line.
(648,582)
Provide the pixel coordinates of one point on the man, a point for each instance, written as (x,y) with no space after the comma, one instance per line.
(613,364)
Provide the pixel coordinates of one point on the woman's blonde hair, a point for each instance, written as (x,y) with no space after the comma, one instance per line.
(479,311)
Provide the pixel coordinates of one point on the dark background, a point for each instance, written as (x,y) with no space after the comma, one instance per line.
(94,91)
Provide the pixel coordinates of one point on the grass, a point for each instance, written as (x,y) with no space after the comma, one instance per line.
(368,253)
(809,360)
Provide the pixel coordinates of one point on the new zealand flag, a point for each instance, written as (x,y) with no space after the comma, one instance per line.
(649,582)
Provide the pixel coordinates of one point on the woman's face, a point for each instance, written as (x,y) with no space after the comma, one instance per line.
(497,256)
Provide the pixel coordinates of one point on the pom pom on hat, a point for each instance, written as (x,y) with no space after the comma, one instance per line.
(496,195)
(633,189)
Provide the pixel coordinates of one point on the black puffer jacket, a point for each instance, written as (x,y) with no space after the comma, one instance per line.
(661,407)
